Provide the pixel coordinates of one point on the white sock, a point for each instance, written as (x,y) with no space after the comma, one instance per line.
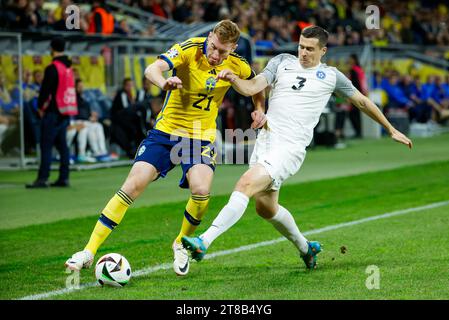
(228,216)
(284,222)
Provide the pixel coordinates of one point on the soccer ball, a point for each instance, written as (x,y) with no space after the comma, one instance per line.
(113,269)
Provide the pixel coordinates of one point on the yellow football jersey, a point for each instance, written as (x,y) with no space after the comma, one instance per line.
(192,111)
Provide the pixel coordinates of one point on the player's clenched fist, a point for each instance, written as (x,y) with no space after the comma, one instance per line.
(226,75)
(172,83)
(259,119)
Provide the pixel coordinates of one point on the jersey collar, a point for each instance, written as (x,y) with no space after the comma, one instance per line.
(311,68)
(205,46)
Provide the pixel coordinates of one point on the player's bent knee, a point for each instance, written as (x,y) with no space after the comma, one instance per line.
(266,212)
(138,179)
(133,187)
(246,185)
(200,191)
(243,184)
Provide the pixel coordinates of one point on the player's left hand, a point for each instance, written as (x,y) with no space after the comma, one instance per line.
(259,119)
(398,136)
(226,75)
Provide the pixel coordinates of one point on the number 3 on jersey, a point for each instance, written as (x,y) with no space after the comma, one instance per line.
(300,83)
(203,97)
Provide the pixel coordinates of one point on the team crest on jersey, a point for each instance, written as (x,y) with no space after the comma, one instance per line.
(320,74)
(141,150)
(210,84)
(172,53)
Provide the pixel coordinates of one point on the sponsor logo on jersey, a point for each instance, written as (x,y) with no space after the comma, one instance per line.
(320,74)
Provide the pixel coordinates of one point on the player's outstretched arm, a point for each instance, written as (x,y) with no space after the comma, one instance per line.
(244,87)
(367,106)
(154,73)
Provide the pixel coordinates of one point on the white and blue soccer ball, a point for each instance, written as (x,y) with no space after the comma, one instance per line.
(113,269)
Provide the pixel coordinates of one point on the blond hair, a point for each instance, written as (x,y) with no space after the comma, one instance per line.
(227,31)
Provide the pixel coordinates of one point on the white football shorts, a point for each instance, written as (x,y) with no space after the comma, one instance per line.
(281,158)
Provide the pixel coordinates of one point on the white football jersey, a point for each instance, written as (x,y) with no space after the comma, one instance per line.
(299,96)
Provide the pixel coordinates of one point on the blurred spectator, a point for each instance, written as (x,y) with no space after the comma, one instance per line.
(88,130)
(435,94)
(101,19)
(150,31)
(161,8)
(9,116)
(128,119)
(156,107)
(41,14)
(147,103)
(122,28)
(338,38)
(442,37)
(406,33)
(8,105)
(358,79)
(17,15)
(212,10)
(183,10)
(30,92)
(38,77)
(396,96)
(421,111)
(57,18)
(399,107)
(410,89)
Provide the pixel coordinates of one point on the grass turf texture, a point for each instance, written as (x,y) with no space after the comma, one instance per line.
(411,250)
(91,190)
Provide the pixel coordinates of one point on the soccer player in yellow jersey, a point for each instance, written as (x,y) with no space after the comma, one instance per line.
(185,129)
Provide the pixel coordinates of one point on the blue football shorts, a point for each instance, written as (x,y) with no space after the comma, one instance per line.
(165,151)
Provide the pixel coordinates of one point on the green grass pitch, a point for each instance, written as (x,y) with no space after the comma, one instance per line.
(370,178)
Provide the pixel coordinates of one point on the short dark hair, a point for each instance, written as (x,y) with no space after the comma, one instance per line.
(355,58)
(126,80)
(316,32)
(77,81)
(58,44)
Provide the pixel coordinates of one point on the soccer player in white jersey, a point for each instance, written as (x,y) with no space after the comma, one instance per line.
(301,88)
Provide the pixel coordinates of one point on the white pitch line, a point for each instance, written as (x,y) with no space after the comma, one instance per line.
(166,266)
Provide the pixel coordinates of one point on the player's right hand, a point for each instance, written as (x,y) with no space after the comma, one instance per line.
(172,83)
(226,75)
(401,138)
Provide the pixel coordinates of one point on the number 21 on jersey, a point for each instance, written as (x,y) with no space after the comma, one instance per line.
(203,97)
